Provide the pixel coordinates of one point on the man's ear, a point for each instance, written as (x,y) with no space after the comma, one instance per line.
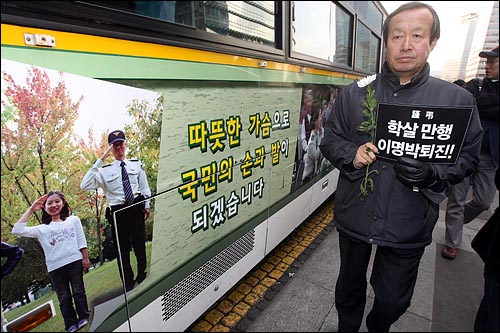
(433,44)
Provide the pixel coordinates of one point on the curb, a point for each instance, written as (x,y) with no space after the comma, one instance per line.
(240,306)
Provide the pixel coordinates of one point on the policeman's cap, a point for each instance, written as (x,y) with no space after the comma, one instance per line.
(116,136)
(492,53)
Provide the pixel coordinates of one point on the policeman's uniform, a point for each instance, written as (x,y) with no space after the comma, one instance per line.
(130,221)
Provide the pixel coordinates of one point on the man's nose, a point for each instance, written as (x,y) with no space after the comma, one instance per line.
(406,43)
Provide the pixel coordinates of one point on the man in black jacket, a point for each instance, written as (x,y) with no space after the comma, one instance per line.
(459,211)
(487,244)
(401,208)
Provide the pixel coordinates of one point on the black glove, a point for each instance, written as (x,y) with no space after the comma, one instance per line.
(413,172)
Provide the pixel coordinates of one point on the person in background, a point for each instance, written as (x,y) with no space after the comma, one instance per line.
(125,184)
(487,244)
(65,247)
(395,217)
(459,210)
(303,134)
(334,92)
(313,153)
(305,125)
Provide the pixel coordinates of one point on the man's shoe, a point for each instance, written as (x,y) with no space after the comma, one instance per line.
(82,323)
(449,252)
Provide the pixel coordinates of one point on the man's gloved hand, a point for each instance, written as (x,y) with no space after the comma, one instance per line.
(413,172)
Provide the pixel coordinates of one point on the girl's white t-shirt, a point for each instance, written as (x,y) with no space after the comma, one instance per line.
(61,241)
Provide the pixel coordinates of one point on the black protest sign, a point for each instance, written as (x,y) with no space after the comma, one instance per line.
(428,134)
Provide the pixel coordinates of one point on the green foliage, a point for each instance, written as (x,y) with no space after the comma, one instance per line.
(143,142)
(368,126)
(40,152)
(369,104)
(144,135)
(37,156)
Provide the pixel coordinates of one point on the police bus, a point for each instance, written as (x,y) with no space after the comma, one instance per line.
(224,103)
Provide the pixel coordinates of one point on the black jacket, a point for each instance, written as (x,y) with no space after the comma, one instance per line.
(393,215)
(487,241)
(486,94)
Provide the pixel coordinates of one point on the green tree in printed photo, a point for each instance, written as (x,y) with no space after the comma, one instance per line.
(42,152)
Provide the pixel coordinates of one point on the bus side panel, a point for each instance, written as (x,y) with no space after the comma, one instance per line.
(222,146)
(153,317)
(324,188)
(294,213)
(288,218)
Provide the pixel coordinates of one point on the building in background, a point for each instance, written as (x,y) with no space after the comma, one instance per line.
(476,65)
(473,37)
(455,68)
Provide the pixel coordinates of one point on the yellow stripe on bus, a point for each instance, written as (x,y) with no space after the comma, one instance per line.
(13,35)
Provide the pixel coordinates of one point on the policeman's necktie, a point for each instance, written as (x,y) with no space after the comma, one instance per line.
(129,195)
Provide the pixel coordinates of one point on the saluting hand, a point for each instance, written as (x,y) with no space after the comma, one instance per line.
(106,153)
(38,204)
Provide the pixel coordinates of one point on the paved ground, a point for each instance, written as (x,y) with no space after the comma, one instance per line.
(292,290)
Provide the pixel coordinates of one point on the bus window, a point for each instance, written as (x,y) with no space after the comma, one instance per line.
(182,12)
(311,37)
(250,21)
(367,49)
(368,13)
(327,31)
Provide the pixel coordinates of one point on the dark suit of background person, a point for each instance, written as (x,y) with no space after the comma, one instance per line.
(459,210)
(394,217)
(487,244)
(131,225)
